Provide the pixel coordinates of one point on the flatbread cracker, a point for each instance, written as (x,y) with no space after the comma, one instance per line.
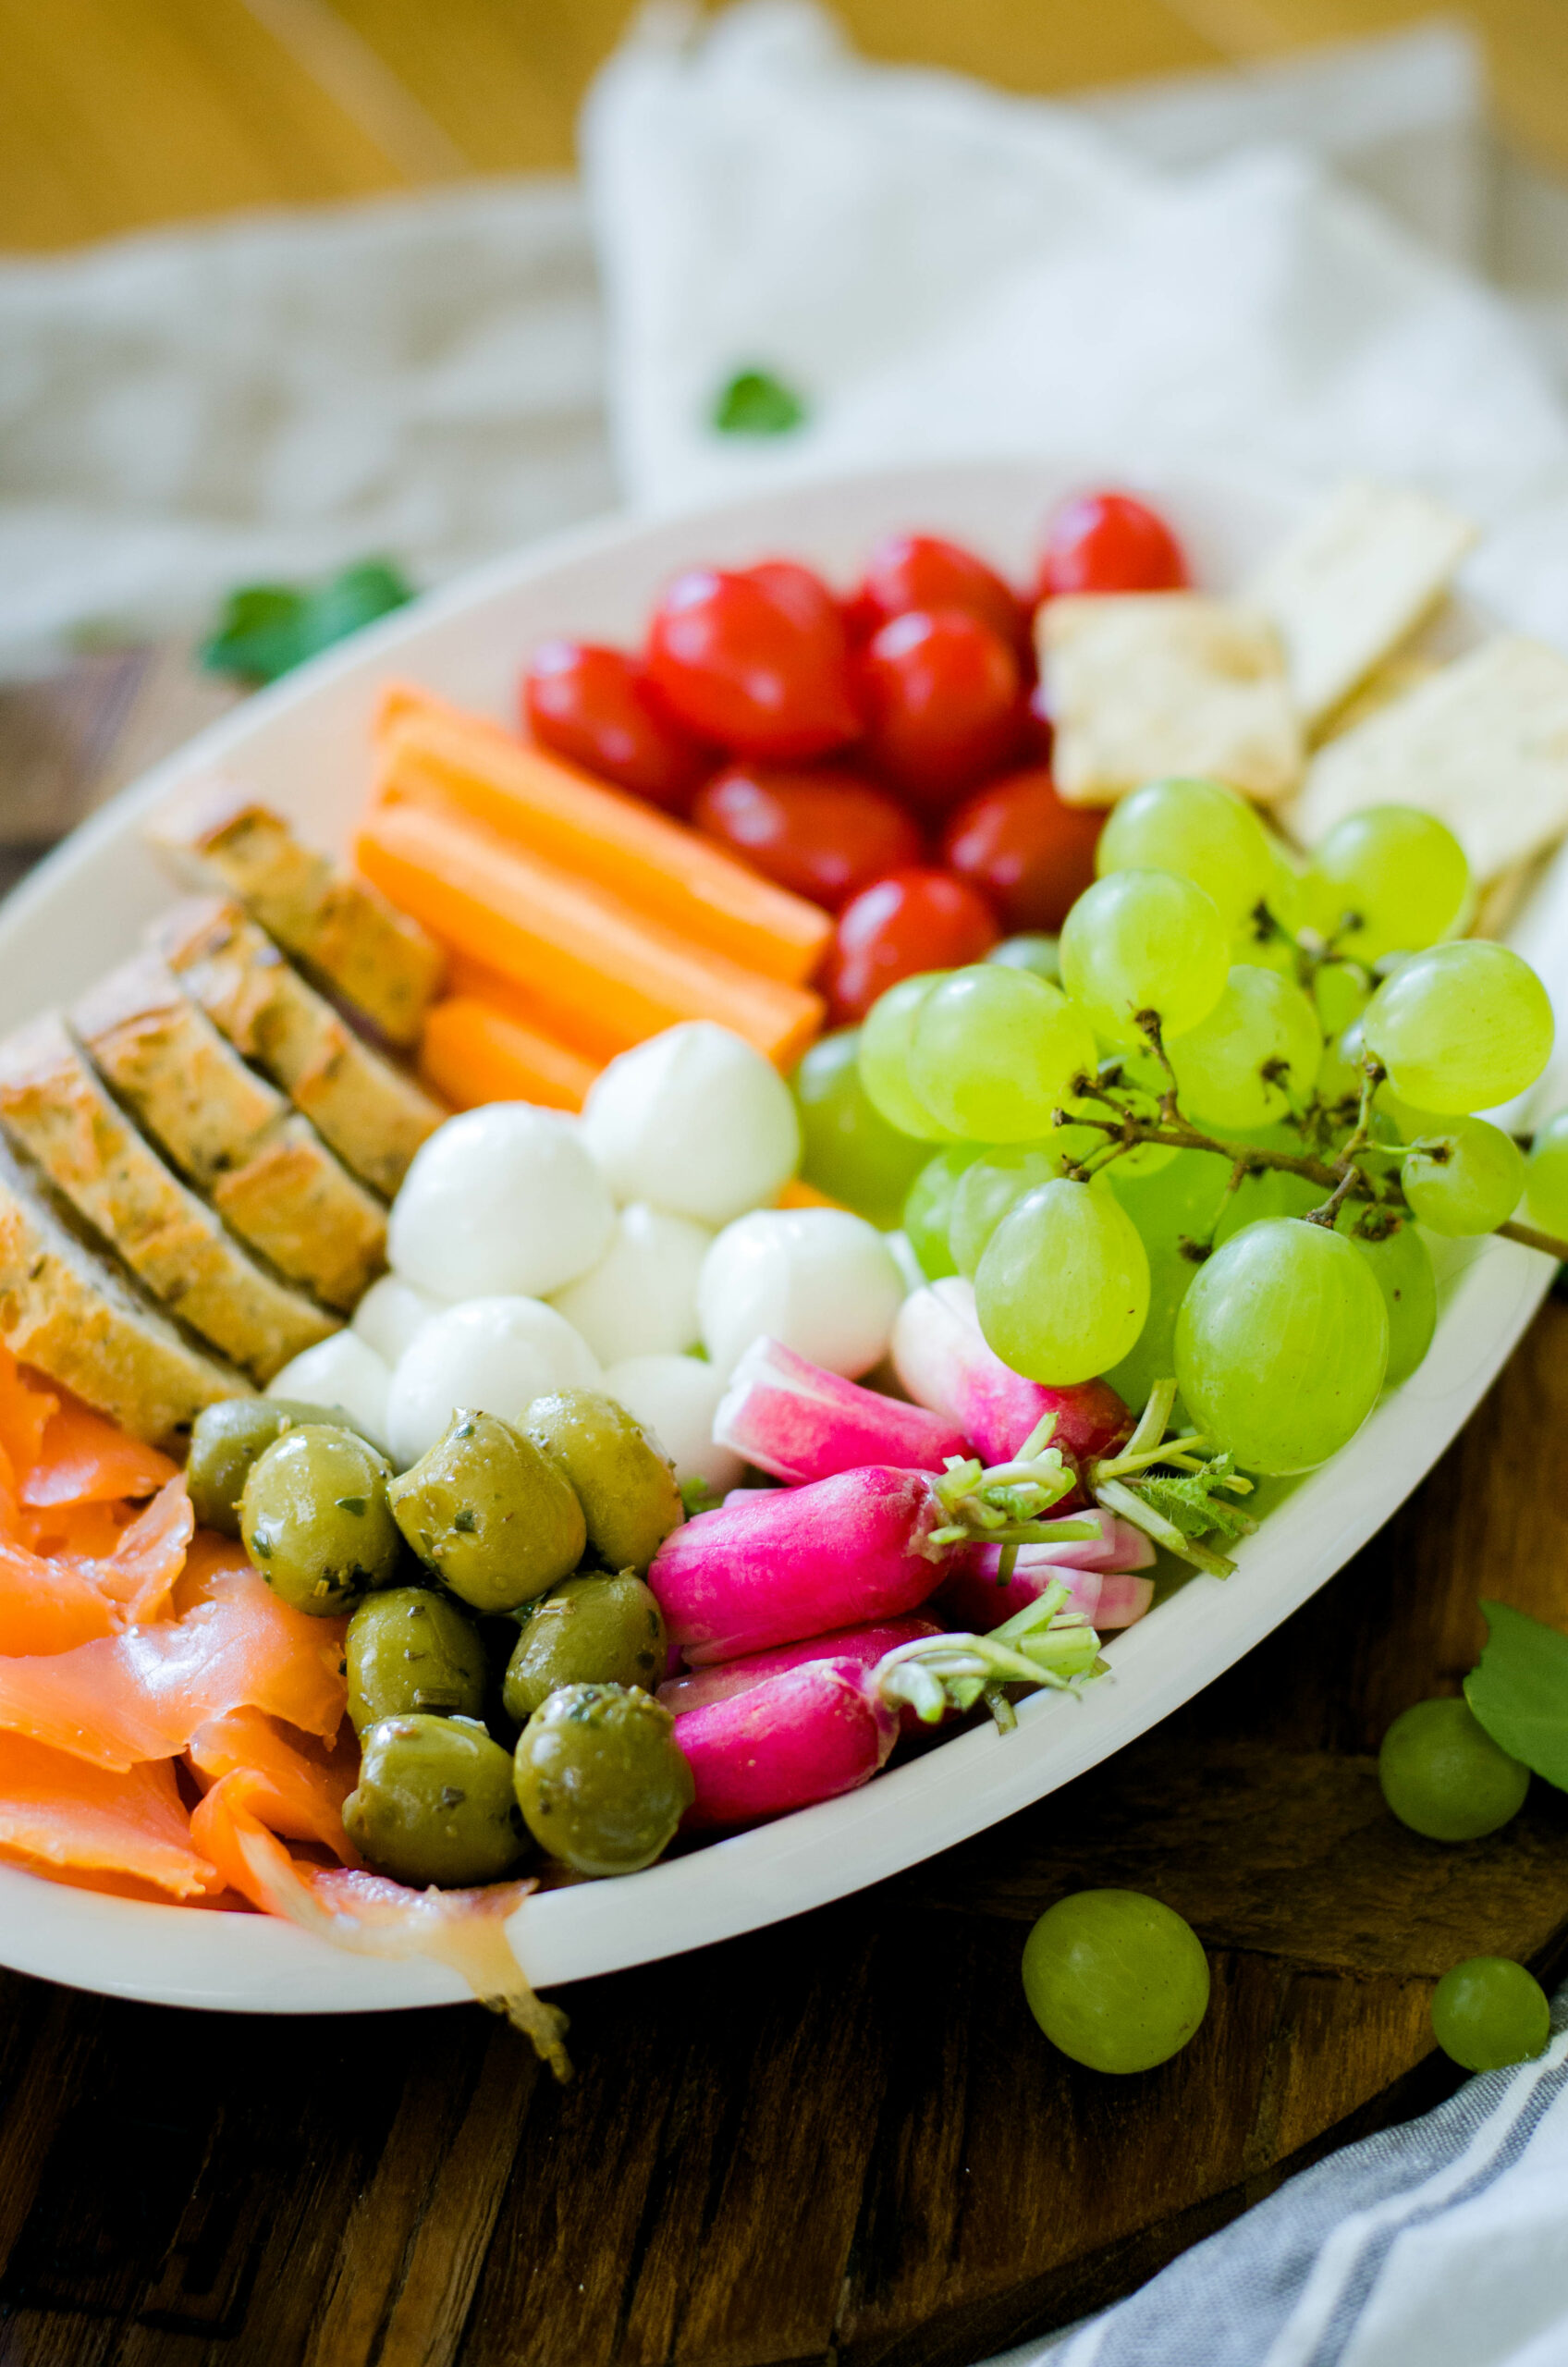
(1483,745)
(1142,684)
(1354,582)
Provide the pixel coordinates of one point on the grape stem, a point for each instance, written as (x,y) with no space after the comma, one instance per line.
(1372,1075)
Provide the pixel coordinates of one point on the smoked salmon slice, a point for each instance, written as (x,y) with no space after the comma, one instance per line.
(464,1929)
(80,1458)
(48,1606)
(141,1572)
(306,1785)
(143,1694)
(61,1816)
(26,1408)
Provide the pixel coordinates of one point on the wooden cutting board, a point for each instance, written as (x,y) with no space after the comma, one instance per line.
(843,2137)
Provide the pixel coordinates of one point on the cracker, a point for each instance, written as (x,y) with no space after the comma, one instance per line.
(1483,745)
(1141,684)
(1353,582)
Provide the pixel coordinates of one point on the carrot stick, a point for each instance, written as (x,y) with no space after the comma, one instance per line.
(539,926)
(601,834)
(597,1041)
(799,1194)
(471,1054)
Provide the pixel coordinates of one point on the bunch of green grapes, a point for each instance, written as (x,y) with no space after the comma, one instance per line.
(1207,1134)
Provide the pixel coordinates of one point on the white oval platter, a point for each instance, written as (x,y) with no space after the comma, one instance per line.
(304,744)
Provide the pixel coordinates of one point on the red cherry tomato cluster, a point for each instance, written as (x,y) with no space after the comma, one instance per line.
(887,755)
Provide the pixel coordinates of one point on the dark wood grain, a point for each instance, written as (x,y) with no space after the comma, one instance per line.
(843,2137)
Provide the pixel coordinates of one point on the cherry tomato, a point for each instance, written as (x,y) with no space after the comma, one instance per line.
(824,832)
(597,708)
(756,659)
(925,571)
(944,702)
(1107,542)
(912,920)
(1032,855)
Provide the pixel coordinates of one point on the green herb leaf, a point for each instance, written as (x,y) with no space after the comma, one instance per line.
(359,1505)
(1519,1690)
(755,403)
(698,1497)
(268,628)
(464,1522)
(1193,1503)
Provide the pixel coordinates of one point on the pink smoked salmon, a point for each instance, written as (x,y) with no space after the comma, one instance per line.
(143,1694)
(62,1816)
(306,1785)
(82,1459)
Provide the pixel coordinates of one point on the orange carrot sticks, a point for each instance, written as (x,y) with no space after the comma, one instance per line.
(596,1040)
(542,927)
(471,1053)
(601,834)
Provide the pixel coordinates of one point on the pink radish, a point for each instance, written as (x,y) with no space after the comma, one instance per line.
(696,1688)
(1111,1544)
(942,1358)
(1107,1597)
(861,1546)
(807,1733)
(788,1416)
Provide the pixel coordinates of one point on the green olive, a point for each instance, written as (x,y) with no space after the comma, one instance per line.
(409,1648)
(626,1489)
(226,1439)
(435,1803)
(600,1778)
(490,1514)
(586,1631)
(314,1520)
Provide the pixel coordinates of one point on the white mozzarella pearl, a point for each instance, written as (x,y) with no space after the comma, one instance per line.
(343,1372)
(503,1198)
(695,1122)
(675,1398)
(391,1315)
(820,1280)
(641,1299)
(494,1354)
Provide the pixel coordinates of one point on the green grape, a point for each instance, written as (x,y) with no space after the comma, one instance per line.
(1037,951)
(1281,1345)
(1138,1081)
(1341,991)
(849,1150)
(1117,1981)
(1443,1775)
(998,1180)
(1255,1054)
(1141,941)
(885,1036)
(1063,1287)
(928,1208)
(1464,1177)
(1546,1176)
(994,1052)
(1175,1205)
(1198,829)
(1488,2013)
(1341,1072)
(1268,1191)
(1402,1267)
(1461,1026)
(1387,877)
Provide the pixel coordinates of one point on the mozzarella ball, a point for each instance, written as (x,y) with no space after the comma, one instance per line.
(390,1313)
(694,1122)
(504,1198)
(497,1354)
(641,1299)
(343,1372)
(823,1281)
(675,1398)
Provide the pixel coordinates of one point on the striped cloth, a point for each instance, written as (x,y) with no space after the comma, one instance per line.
(1443,2243)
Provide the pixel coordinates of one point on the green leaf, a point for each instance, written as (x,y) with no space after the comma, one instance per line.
(755,403)
(1519,1690)
(266,628)
(1193,1503)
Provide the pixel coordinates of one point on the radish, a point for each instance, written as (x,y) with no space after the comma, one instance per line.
(821,1727)
(696,1687)
(942,1359)
(790,1417)
(863,1545)
(1107,1597)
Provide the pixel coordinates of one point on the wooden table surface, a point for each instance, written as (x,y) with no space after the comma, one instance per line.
(843,2137)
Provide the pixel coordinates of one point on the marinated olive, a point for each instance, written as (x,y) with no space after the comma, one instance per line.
(226,1439)
(315,1518)
(490,1514)
(435,1803)
(586,1631)
(600,1778)
(409,1648)
(626,1489)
